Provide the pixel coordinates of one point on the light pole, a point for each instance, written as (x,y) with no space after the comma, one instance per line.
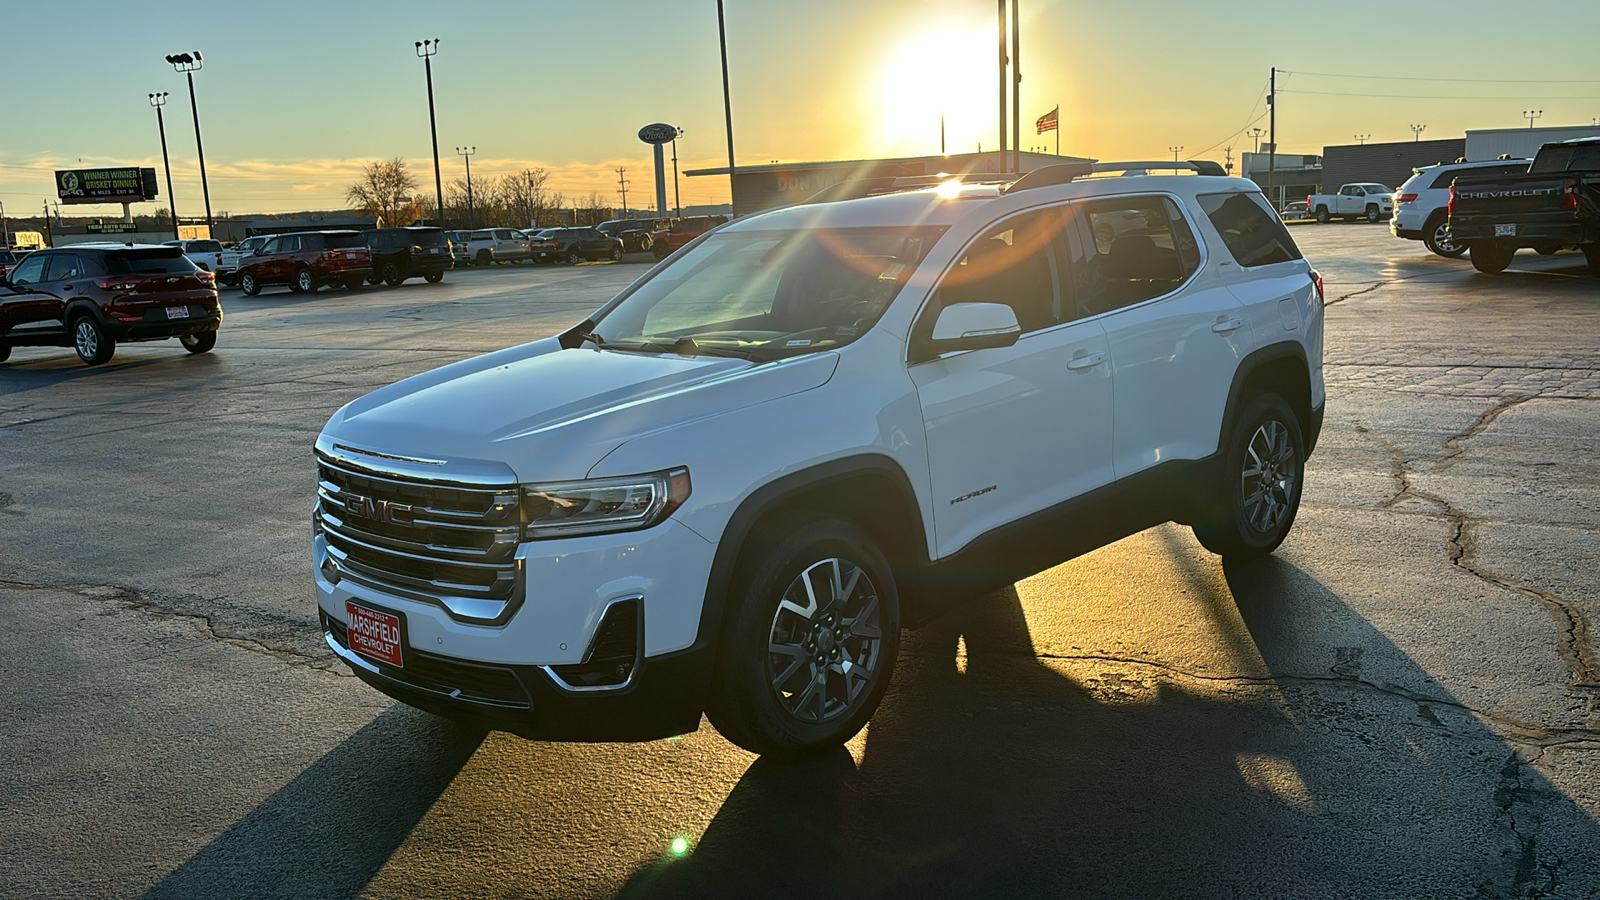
(727,107)
(472,215)
(189,64)
(5,242)
(1530,115)
(158,101)
(426,50)
(677,204)
(1361,138)
(1257,133)
(1416,131)
(1175,151)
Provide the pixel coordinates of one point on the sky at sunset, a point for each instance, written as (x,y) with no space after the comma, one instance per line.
(295,97)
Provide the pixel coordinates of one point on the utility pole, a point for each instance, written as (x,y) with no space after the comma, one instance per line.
(1530,115)
(1016,86)
(1361,138)
(426,50)
(622,179)
(727,109)
(158,101)
(1272,136)
(1416,132)
(1003,61)
(677,203)
(472,214)
(1228,166)
(941,134)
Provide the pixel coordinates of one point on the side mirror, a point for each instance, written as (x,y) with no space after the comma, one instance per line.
(973,326)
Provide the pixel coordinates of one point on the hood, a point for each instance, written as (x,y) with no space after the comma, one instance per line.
(551,413)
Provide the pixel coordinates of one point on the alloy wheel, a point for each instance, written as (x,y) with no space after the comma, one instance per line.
(1441,238)
(823,649)
(86,338)
(1268,480)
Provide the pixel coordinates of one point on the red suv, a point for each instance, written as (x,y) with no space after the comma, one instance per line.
(93,296)
(663,243)
(307,261)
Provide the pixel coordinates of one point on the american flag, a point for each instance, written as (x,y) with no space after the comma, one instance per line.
(1049,121)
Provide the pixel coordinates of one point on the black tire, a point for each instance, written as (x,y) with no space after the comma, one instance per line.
(433,277)
(391,275)
(351,284)
(1264,467)
(1591,253)
(5,351)
(616,254)
(645,243)
(304,281)
(1373,213)
(856,618)
(1491,259)
(1322,215)
(1436,237)
(248,283)
(483,258)
(90,341)
(660,251)
(574,257)
(199,342)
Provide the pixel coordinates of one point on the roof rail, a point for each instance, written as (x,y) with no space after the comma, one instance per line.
(857,188)
(1066,172)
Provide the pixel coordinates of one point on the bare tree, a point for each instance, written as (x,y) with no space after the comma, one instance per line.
(385,190)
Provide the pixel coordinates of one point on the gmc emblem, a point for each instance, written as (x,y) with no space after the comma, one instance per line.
(377,510)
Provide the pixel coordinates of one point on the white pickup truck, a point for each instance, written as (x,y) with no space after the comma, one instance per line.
(211,256)
(1373,202)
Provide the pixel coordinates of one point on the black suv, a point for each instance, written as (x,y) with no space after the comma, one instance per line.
(635,234)
(574,245)
(401,253)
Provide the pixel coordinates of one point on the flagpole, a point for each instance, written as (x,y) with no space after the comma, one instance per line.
(1058,129)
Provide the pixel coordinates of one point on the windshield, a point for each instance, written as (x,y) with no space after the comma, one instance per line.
(768,294)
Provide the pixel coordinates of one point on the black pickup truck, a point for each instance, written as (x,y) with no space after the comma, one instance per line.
(1555,206)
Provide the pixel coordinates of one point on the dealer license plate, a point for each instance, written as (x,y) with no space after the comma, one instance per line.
(177,312)
(375,634)
(1505,230)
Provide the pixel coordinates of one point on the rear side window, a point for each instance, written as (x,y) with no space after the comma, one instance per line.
(1252,233)
(1141,247)
(164,261)
(64,266)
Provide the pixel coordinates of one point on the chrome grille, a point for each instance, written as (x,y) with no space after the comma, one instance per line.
(447,543)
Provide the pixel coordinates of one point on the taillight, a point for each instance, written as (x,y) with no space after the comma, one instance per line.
(1316,279)
(111,285)
(1407,198)
(1569,195)
(207,278)
(1450,208)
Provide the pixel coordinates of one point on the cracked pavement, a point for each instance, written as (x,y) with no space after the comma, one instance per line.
(1401,703)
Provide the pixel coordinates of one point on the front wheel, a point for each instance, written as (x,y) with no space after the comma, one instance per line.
(644,243)
(5,351)
(433,277)
(811,642)
(248,283)
(90,340)
(1263,472)
(1436,237)
(1491,259)
(661,251)
(200,342)
(616,254)
(574,257)
(1372,213)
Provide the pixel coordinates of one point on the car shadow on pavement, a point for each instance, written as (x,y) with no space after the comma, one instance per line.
(989,773)
(327,832)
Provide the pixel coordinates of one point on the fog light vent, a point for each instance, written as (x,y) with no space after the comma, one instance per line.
(614,653)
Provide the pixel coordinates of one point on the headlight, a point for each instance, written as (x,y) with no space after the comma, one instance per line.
(600,505)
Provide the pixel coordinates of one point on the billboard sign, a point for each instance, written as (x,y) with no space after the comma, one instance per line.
(658,133)
(111,228)
(129,185)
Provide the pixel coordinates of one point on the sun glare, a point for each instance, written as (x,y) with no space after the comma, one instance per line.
(947,73)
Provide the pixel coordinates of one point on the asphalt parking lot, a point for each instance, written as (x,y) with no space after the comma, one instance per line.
(1401,703)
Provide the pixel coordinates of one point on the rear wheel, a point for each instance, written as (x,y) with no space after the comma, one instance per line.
(1591,252)
(1263,471)
(304,282)
(484,258)
(1322,215)
(574,257)
(1436,237)
(90,340)
(5,351)
(200,342)
(433,277)
(248,283)
(391,275)
(812,639)
(1491,259)
(644,243)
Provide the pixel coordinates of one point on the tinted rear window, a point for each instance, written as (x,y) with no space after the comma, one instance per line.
(1572,158)
(205,246)
(162,261)
(434,238)
(343,241)
(1253,234)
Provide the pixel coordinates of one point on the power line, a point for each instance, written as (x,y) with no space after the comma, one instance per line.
(1462,80)
(1434,96)
(1259,98)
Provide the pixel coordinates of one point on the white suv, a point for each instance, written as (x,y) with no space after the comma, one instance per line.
(1421,205)
(730,488)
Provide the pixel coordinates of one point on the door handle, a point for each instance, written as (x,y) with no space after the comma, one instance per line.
(1225,326)
(66,287)
(1086,362)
